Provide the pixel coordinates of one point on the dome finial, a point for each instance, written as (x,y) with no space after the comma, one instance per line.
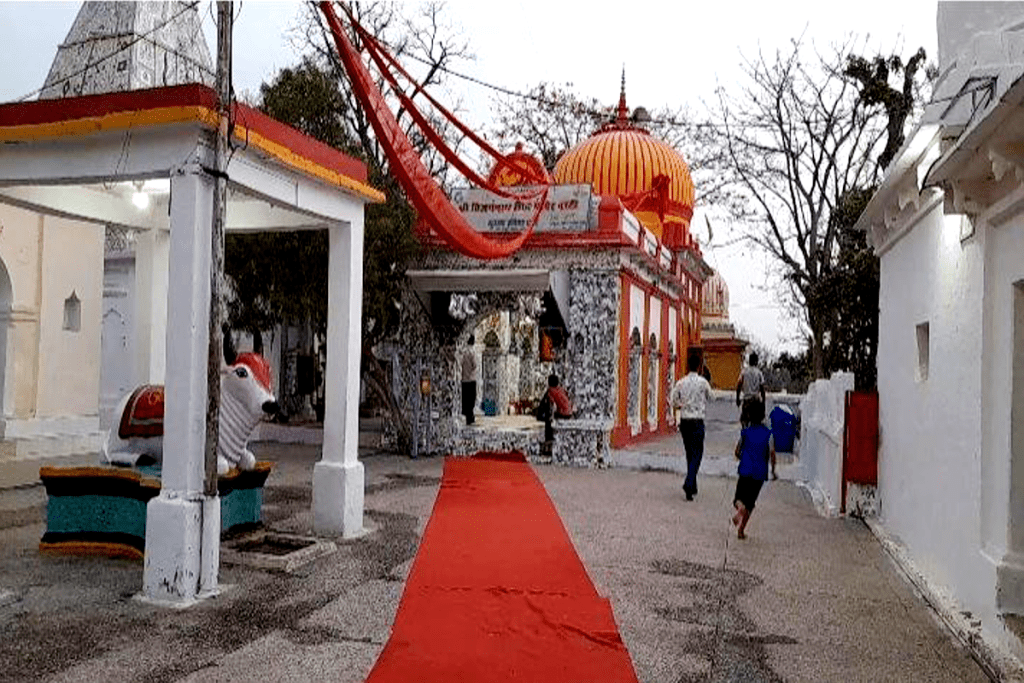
(623,111)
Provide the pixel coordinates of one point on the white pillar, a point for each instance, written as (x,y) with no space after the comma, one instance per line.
(338,477)
(152,252)
(183,525)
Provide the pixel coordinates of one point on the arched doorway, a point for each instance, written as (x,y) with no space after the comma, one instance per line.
(507,333)
(117,350)
(633,398)
(653,378)
(490,373)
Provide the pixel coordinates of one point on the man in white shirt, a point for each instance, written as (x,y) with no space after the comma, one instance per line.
(689,398)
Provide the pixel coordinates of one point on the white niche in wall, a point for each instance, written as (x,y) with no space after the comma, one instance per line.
(73,313)
(922,352)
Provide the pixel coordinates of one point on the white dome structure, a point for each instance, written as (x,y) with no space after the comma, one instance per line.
(723,348)
(716,298)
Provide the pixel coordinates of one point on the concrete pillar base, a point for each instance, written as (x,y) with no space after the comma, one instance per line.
(338,498)
(182,549)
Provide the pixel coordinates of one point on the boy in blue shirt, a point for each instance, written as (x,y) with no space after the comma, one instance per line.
(755,450)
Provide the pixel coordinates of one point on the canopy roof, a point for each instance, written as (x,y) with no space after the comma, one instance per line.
(80,157)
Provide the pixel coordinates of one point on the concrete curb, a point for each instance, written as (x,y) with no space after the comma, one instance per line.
(997,665)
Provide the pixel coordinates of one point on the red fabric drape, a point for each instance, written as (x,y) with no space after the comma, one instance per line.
(382,58)
(424,193)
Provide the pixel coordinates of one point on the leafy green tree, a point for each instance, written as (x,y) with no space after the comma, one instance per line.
(282,277)
(847,296)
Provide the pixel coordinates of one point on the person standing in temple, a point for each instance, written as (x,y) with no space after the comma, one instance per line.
(469,381)
(689,399)
(750,387)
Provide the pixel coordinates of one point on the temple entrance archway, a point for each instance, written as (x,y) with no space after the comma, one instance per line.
(507,328)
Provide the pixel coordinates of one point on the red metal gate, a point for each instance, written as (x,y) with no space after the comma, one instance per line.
(860,440)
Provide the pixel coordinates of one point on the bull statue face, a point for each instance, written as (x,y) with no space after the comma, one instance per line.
(246,395)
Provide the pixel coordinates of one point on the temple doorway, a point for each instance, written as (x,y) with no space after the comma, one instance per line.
(515,353)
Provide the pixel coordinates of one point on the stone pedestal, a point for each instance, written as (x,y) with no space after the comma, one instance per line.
(338,498)
(182,548)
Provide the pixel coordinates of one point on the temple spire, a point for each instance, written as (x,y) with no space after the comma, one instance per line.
(122,46)
(623,110)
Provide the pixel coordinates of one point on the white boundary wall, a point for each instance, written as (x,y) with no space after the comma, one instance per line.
(821,439)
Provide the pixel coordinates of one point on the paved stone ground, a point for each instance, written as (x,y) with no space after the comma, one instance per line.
(803,599)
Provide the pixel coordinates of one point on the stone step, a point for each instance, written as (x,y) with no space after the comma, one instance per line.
(21,458)
(56,445)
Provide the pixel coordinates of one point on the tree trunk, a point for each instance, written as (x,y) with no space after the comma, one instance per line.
(377,381)
(817,324)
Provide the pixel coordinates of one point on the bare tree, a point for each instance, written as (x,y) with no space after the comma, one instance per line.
(317,98)
(426,45)
(549,120)
(799,137)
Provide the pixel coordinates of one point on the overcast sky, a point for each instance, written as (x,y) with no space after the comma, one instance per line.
(674,52)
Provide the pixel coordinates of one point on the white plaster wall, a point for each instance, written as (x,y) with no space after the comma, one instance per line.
(20,242)
(1002,519)
(930,430)
(822,423)
(69,362)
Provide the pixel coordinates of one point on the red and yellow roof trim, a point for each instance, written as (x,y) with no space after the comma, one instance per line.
(90,114)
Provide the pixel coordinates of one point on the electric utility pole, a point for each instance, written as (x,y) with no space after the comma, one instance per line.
(225,18)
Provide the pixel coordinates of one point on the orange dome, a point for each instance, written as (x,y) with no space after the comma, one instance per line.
(623,160)
(505,173)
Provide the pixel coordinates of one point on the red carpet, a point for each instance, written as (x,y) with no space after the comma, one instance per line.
(497,592)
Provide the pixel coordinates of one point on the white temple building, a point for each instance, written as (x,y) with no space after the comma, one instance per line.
(948,225)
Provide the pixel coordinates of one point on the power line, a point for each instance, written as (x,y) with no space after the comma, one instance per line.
(121,48)
(593,113)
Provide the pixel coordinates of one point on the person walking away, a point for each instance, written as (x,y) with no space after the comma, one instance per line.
(559,405)
(755,450)
(689,397)
(469,381)
(750,386)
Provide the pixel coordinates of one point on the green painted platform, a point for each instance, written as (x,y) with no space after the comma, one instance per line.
(101,510)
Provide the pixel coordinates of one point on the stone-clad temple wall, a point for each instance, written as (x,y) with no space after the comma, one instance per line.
(587,363)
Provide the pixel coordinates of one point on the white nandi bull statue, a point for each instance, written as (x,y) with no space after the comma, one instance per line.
(246,395)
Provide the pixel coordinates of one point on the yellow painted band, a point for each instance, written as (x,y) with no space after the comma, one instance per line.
(98,124)
(91,548)
(290,158)
(166,115)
